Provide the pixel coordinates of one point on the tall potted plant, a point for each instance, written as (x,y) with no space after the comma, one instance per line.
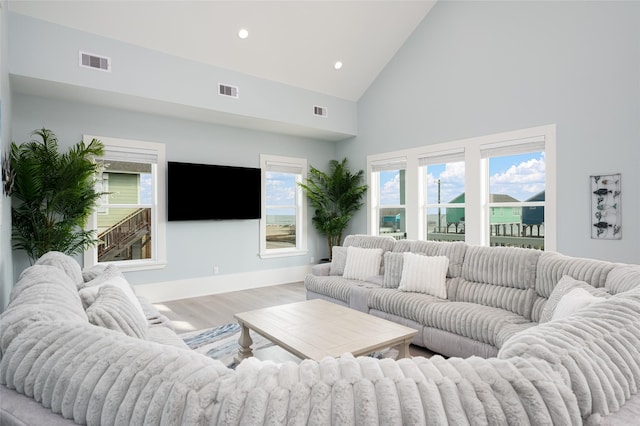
(53,195)
(335,195)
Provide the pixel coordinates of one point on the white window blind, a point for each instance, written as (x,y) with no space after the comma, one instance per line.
(390,164)
(442,157)
(293,168)
(131,155)
(523,146)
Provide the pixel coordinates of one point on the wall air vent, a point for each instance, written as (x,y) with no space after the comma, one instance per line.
(89,60)
(320,111)
(226,90)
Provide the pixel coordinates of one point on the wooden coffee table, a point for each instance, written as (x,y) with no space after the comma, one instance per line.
(316,329)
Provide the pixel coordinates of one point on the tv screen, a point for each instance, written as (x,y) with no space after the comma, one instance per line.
(212,192)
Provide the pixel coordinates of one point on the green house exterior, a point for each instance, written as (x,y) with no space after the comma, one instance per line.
(499,215)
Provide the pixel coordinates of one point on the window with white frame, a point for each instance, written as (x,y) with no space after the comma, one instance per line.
(283,226)
(130,219)
(516,176)
(443,189)
(490,190)
(388,189)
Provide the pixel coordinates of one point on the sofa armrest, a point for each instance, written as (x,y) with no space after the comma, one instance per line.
(321,269)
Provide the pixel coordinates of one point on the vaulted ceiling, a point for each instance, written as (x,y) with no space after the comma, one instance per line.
(292,42)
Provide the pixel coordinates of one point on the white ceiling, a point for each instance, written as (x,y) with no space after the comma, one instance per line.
(292,42)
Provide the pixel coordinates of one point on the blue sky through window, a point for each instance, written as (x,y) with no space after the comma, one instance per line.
(280,191)
(520,176)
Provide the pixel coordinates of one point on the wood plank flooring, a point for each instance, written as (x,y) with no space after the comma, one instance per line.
(210,311)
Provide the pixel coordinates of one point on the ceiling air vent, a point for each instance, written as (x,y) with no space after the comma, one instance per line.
(320,111)
(89,60)
(226,90)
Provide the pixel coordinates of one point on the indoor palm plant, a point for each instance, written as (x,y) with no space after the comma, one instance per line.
(335,195)
(53,194)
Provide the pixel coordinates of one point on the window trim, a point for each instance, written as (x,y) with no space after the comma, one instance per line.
(159,259)
(301,248)
(476,189)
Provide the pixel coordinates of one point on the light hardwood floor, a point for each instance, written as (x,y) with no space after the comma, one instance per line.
(210,311)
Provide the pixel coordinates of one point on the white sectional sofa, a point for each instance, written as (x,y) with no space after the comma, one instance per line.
(74,348)
(492,293)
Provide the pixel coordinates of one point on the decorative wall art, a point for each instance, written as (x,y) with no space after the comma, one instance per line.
(606,222)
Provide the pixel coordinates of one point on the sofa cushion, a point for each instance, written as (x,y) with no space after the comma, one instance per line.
(403,304)
(112,309)
(393,263)
(362,263)
(165,336)
(573,301)
(512,299)
(334,287)
(454,251)
(553,266)
(424,274)
(596,350)
(564,286)
(42,293)
(369,241)
(482,323)
(503,266)
(92,272)
(338,260)
(622,278)
(63,262)
(111,276)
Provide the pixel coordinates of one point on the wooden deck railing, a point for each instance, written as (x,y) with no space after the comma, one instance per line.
(124,234)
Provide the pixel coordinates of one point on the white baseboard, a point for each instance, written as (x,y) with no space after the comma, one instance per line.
(216,284)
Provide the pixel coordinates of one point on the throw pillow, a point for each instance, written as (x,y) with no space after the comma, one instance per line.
(338,260)
(424,274)
(362,263)
(393,263)
(112,309)
(565,285)
(111,276)
(64,262)
(573,301)
(93,272)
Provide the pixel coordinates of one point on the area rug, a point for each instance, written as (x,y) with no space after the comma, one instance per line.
(221,343)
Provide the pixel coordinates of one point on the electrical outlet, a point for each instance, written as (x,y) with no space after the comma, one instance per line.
(312,259)
(216,270)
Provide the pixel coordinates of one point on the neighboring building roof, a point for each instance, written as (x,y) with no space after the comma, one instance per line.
(538,197)
(493,198)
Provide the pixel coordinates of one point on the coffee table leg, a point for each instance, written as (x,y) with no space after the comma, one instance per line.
(403,349)
(245,344)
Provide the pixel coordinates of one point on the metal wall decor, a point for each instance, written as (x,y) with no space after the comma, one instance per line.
(606,222)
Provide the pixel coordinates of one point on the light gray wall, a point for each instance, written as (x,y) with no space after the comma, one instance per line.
(6,259)
(476,68)
(193,248)
(42,51)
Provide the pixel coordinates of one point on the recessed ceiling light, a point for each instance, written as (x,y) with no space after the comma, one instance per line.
(243,33)
(337,65)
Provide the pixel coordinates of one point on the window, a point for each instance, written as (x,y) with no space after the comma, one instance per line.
(443,189)
(130,218)
(516,177)
(388,194)
(283,224)
(490,190)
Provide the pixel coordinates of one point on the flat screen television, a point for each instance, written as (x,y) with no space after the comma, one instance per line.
(212,192)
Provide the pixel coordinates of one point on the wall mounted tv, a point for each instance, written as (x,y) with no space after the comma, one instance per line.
(212,192)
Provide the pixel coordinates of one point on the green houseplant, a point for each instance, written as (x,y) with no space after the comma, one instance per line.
(335,195)
(53,194)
